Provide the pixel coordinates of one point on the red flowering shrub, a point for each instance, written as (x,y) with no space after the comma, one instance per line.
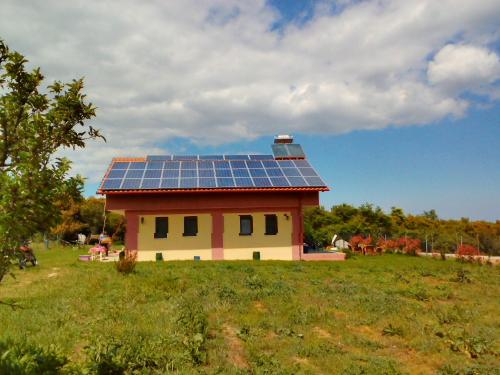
(467,250)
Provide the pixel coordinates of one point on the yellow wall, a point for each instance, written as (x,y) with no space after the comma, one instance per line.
(277,246)
(175,246)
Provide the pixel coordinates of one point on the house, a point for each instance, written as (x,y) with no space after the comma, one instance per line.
(214,206)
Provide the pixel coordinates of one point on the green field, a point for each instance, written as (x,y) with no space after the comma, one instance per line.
(392,314)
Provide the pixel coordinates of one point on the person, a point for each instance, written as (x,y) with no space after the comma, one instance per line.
(27,255)
(105,241)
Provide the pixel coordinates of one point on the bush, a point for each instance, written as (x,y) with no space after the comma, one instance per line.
(23,358)
(127,264)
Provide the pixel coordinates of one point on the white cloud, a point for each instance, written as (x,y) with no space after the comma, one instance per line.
(464,67)
(216,72)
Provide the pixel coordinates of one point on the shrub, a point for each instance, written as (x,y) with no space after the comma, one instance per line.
(23,358)
(127,264)
(467,250)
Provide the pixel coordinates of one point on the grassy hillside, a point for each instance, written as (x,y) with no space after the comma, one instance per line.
(370,315)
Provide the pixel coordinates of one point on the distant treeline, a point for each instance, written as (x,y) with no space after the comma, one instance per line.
(366,220)
(87,216)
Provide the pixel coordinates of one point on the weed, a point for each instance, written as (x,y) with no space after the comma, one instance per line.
(254,282)
(287,332)
(462,276)
(126,265)
(400,277)
(228,294)
(391,330)
(419,293)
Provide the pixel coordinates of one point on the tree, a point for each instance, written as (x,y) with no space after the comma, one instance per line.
(34,125)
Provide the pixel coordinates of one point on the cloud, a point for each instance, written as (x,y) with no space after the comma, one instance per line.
(464,67)
(217,72)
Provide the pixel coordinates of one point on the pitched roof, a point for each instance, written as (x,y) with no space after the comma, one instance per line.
(202,173)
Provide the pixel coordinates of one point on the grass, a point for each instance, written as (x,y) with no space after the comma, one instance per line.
(369,315)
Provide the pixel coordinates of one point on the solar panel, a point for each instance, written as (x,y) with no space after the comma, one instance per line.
(169,183)
(207,183)
(150,183)
(185,157)
(210,171)
(254,164)
(301,163)
(172,165)
(223,173)
(290,172)
(206,173)
(158,157)
(211,157)
(314,181)
(238,164)
(134,173)
(131,183)
(154,165)
(241,173)
(222,165)
(307,172)
(297,181)
(153,173)
(225,182)
(261,157)
(286,164)
(274,172)
(257,172)
(120,165)
(188,173)
(295,150)
(236,157)
(137,165)
(279,181)
(205,165)
(117,173)
(189,165)
(170,173)
(186,183)
(262,182)
(279,150)
(112,184)
(243,182)
(288,150)
(270,164)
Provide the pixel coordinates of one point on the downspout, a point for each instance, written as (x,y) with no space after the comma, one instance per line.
(301,226)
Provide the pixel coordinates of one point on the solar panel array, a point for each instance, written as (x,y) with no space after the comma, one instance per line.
(207,157)
(178,172)
(288,150)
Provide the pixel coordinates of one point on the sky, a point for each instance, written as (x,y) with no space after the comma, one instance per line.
(396,103)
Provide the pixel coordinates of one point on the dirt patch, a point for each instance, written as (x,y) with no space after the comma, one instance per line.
(236,352)
(260,306)
(413,361)
(367,332)
(53,274)
(322,333)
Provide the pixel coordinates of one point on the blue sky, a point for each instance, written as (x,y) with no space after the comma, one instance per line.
(396,103)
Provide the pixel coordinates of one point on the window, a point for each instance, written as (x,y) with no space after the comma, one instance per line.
(246,225)
(161,227)
(190,226)
(271,224)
